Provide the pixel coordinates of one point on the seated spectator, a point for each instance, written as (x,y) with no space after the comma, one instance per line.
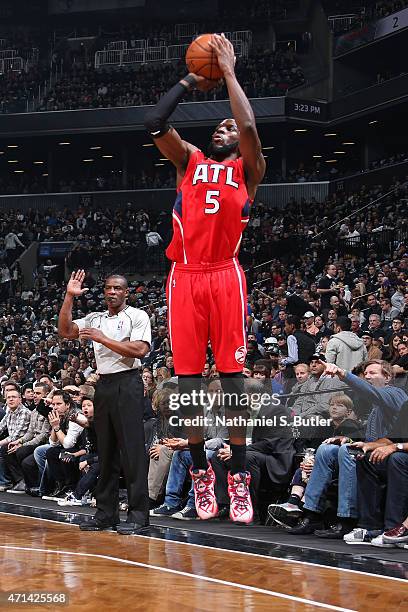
(345,428)
(294,401)
(333,460)
(19,450)
(59,474)
(300,345)
(87,456)
(157,430)
(345,348)
(316,403)
(400,367)
(310,327)
(215,437)
(28,396)
(269,457)
(382,487)
(149,385)
(163,374)
(389,312)
(323,330)
(373,352)
(15,422)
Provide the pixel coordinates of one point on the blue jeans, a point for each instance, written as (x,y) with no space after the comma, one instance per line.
(333,461)
(179,468)
(4,479)
(41,461)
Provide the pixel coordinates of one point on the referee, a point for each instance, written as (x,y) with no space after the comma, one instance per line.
(121,337)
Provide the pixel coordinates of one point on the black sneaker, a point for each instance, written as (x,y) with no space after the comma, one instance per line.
(336,531)
(186,514)
(94,525)
(131,528)
(33,491)
(306,526)
(164,510)
(18,488)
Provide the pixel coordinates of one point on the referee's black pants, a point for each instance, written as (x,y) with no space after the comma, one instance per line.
(118,420)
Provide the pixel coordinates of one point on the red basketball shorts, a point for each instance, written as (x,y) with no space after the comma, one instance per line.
(207,302)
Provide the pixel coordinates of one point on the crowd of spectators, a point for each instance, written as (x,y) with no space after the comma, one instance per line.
(263,73)
(303,319)
(17,88)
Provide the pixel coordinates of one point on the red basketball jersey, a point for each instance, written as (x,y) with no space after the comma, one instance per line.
(211,211)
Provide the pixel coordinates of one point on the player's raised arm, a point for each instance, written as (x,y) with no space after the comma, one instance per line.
(249,144)
(166,138)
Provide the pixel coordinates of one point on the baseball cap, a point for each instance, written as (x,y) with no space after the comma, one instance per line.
(270,341)
(368,334)
(308,314)
(318,356)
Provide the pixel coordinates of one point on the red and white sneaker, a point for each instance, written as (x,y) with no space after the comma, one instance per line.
(241,510)
(205,501)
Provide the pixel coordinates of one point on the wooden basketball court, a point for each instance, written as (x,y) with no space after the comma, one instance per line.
(106,571)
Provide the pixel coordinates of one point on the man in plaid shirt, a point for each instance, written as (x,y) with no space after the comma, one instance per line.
(15,422)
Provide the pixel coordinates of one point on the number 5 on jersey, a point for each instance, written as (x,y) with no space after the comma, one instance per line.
(210,198)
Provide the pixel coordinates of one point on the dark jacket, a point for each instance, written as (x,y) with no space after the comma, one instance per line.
(276,442)
(386,404)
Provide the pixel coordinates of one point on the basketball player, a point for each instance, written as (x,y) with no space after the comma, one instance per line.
(206,289)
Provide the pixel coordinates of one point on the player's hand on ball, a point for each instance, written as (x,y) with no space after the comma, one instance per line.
(225,53)
(204,84)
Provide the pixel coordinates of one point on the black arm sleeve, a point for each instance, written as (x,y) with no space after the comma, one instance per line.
(156,118)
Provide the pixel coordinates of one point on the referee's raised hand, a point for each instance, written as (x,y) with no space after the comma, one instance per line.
(74,286)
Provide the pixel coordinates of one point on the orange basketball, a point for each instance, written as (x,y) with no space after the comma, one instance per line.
(202,60)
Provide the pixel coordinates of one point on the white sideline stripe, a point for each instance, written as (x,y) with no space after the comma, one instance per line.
(237,552)
(168,570)
(241,293)
(182,235)
(169,310)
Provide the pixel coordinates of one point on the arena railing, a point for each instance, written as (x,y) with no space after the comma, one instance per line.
(6,53)
(274,195)
(343,23)
(12,64)
(145,53)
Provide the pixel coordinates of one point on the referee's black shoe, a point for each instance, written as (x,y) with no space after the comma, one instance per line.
(131,528)
(94,525)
